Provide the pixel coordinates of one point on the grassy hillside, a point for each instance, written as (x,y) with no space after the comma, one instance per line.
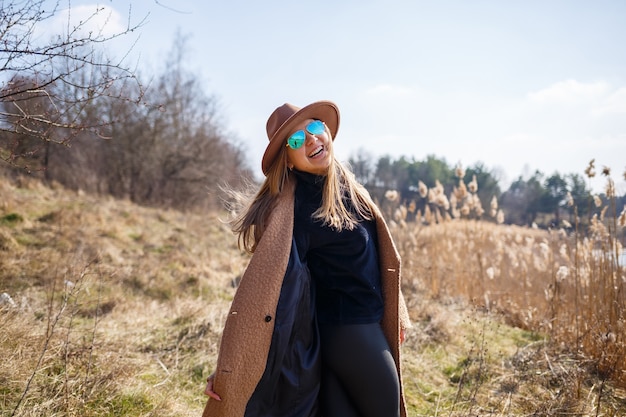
(111,309)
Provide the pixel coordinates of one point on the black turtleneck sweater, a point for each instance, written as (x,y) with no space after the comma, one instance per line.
(344,265)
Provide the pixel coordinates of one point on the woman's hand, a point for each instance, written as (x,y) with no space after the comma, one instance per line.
(209,388)
(402,336)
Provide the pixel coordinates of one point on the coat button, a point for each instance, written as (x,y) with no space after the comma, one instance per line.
(268,319)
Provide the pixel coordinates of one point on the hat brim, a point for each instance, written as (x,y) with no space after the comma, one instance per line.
(326,111)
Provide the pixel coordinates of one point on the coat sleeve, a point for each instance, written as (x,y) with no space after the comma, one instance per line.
(403,313)
(249,326)
(396,315)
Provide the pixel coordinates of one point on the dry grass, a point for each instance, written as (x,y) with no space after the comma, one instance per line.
(504,342)
(566,285)
(116,310)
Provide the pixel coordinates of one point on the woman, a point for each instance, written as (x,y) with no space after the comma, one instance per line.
(316,323)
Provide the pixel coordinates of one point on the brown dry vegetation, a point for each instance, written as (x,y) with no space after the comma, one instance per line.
(116,310)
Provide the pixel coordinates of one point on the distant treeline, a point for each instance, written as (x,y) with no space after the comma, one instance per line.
(541,200)
(162,142)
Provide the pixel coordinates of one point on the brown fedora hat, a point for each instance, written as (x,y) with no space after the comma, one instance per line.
(287,116)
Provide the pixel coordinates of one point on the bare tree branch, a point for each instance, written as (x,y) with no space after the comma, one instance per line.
(47,86)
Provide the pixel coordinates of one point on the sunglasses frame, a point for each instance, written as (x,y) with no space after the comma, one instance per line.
(297,142)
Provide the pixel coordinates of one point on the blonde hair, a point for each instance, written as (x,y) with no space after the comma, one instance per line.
(340,188)
(252,209)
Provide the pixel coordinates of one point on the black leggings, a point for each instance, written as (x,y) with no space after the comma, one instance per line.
(359,377)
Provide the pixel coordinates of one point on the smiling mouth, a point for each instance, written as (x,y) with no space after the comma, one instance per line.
(316,151)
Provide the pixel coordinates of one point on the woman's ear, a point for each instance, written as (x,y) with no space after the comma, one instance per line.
(289,164)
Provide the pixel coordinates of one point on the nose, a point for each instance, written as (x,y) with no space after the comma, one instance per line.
(310,138)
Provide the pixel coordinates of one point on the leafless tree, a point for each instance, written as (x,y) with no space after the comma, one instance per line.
(362,165)
(49,81)
(171,150)
(158,143)
(176,150)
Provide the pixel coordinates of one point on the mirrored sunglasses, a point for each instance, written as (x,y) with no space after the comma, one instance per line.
(296,140)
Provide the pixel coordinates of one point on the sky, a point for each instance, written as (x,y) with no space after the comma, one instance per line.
(518,86)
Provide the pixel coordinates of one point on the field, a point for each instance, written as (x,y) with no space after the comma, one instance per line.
(112,309)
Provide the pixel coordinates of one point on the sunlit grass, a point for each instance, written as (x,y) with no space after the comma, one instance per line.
(565,284)
(117,309)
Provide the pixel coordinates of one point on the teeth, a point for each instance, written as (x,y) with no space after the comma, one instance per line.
(316,151)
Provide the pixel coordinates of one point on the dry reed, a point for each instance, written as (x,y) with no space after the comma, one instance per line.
(567,284)
(115,309)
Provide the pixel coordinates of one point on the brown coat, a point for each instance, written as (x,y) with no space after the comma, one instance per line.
(249,326)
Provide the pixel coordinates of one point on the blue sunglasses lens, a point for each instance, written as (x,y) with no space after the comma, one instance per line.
(316,127)
(296,140)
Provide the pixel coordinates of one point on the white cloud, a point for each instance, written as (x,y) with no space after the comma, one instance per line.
(574,108)
(99,21)
(570,92)
(614,103)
